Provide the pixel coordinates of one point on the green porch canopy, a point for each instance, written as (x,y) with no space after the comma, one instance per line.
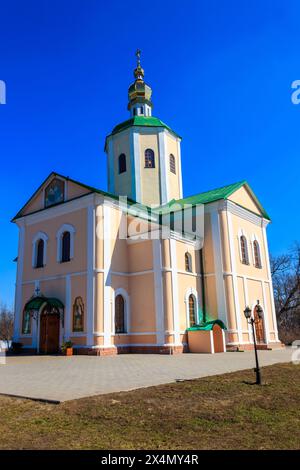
(36,302)
(207,326)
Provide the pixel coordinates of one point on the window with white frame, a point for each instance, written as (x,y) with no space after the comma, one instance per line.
(65,243)
(39,250)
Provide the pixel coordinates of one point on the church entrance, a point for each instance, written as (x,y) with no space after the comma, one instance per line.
(259,328)
(49,332)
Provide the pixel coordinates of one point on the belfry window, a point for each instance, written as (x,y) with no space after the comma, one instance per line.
(172,164)
(149,159)
(244,250)
(122,163)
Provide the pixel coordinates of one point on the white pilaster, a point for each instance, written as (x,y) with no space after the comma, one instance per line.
(107,290)
(91,232)
(175,291)
(68,309)
(237,307)
(158,292)
(179,168)
(135,160)
(163,167)
(18,292)
(216,235)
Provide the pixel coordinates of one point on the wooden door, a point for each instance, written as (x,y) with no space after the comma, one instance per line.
(49,333)
(259,328)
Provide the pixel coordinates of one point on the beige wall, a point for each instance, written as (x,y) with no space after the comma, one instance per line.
(73,190)
(51,226)
(150,185)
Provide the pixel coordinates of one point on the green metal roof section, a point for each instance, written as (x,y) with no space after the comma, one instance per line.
(142,121)
(215,195)
(36,302)
(207,326)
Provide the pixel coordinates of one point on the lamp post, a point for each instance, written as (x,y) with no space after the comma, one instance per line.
(252,321)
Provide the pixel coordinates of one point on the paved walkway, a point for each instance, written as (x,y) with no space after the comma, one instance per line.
(60,378)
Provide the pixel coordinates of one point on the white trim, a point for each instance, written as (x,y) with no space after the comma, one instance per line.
(64,228)
(158,291)
(126,298)
(135,159)
(265,314)
(90,309)
(52,278)
(107,289)
(221,299)
(175,291)
(18,293)
(68,321)
(179,169)
(163,168)
(194,293)
(211,337)
(234,277)
(39,236)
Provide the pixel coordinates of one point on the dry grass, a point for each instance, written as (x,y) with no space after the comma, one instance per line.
(220,412)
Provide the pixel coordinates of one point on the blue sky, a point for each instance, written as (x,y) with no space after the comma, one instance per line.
(221,75)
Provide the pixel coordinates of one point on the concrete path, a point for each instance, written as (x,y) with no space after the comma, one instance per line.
(60,378)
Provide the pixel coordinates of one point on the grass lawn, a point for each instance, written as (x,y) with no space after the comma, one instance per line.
(220,412)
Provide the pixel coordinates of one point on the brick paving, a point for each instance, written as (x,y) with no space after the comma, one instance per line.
(60,378)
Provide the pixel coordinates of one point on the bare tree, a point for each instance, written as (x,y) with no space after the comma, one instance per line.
(286,282)
(6,324)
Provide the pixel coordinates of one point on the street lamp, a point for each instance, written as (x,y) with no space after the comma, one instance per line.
(252,321)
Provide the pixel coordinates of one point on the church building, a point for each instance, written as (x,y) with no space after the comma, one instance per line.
(79,280)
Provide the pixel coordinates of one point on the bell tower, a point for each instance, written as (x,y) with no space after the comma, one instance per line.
(143,153)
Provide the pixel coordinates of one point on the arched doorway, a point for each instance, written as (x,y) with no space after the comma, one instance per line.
(259,327)
(49,331)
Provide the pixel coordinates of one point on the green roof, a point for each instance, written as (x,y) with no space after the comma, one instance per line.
(36,302)
(142,121)
(215,195)
(207,326)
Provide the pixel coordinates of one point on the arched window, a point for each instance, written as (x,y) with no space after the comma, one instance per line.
(26,324)
(172,164)
(78,315)
(244,250)
(192,310)
(122,163)
(188,262)
(66,247)
(65,237)
(40,253)
(257,258)
(120,314)
(149,159)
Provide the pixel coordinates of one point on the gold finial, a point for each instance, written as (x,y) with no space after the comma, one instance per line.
(138,57)
(138,71)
